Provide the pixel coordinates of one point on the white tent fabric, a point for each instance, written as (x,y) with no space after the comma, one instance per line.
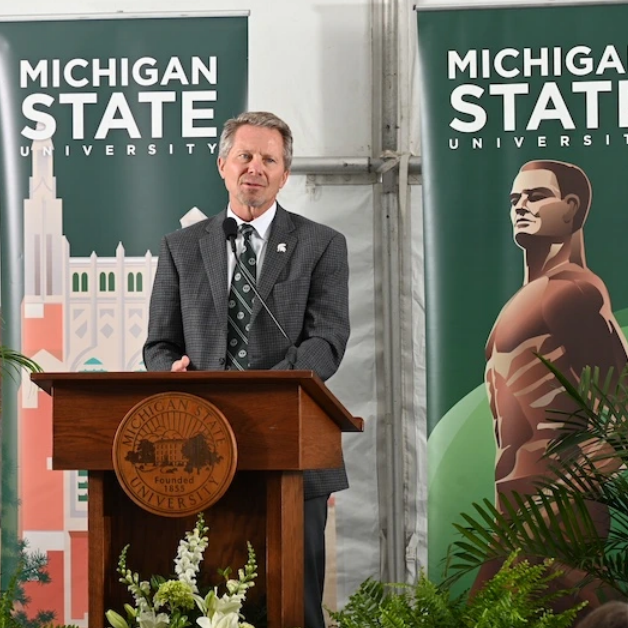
(350,210)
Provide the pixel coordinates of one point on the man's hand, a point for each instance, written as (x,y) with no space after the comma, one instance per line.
(180,366)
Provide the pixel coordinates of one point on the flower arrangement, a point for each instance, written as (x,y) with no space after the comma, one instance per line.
(177,603)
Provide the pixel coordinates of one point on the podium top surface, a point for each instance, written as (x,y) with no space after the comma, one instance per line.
(308,380)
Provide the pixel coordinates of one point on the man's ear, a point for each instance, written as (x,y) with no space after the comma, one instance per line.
(574,205)
(221,166)
(286,174)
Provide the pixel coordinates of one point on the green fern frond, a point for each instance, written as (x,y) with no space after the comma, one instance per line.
(363,607)
(516,597)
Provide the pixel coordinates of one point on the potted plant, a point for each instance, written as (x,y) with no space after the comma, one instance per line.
(516,597)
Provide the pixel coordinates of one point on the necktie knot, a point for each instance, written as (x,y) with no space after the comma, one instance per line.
(246,229)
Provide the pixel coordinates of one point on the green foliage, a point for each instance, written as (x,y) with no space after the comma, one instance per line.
(588,473)
(12,362)
(31,567)
(516,597)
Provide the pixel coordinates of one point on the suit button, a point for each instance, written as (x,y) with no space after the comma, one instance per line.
(221,361)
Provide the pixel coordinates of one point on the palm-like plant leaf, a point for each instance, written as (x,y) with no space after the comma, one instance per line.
(541,525)
(12,362)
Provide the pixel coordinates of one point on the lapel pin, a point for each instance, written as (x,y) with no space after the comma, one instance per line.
(281,248)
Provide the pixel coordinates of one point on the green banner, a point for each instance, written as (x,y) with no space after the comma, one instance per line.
(109,134)
(525,113)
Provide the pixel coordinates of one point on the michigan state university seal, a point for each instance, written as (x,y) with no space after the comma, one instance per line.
(174,454)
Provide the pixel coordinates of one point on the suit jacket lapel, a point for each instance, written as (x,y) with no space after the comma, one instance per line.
(214,253)
(279,249)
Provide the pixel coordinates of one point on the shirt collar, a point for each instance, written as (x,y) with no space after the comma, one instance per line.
(261,223)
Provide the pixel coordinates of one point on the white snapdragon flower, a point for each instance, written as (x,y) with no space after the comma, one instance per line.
(190,554)
(233,586)
(239,587)
(139,590)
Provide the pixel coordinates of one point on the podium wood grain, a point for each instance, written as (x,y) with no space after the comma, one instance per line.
(284,422)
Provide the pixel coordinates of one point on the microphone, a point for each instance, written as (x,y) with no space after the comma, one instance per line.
(230,228)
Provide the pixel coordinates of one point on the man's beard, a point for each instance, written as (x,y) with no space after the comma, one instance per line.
(250,200)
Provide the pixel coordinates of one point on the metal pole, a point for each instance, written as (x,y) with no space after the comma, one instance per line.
(391,284)
(347,165)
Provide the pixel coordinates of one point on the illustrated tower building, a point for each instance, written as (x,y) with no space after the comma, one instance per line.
(78,314)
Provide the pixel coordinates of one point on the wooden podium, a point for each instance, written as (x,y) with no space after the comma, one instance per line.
(284,422)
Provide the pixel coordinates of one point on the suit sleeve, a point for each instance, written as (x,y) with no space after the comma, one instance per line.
(165,341)
(326,322)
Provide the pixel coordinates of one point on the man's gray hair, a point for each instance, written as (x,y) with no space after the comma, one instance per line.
(261,119)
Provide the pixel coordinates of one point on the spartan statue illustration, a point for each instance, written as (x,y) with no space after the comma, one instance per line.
(562,312)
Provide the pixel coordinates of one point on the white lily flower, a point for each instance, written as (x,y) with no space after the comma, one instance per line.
(116,620)
(228,604)
(149,619)
(231,620)
(219,620)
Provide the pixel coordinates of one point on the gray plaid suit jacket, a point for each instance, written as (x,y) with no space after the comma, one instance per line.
(305,287)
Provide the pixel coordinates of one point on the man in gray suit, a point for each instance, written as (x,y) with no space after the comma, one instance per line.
(302,274)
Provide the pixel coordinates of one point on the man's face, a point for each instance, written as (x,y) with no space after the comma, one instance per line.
(537,208)
(254,170)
